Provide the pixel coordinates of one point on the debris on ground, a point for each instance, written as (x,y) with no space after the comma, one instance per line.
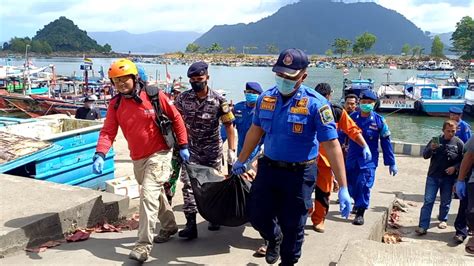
(45,246)
(79,235)
(75,234)
(399,205)
(392,238)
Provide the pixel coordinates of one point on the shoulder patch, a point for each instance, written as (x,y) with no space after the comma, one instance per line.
(225,107)
(325,114)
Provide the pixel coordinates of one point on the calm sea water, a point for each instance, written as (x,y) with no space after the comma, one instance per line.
(410,128)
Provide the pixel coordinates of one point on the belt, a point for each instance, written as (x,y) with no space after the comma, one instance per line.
(287,165)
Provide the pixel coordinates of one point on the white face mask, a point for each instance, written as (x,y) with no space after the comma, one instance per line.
(285,86)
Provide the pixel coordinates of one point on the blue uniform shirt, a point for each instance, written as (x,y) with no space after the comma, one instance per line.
(373,128)
(243,120)
(463,131)
(294,129)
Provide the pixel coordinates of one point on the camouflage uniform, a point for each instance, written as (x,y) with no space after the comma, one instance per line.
(201,118)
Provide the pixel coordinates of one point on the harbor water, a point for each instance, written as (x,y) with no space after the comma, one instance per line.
(404,127)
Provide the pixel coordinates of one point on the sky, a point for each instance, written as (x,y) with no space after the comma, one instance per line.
(25,17)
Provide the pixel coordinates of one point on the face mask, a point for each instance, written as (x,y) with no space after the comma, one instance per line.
(366,107)
(251,97)
(198,86)
(285,86)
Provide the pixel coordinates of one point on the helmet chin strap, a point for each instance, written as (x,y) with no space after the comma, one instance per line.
(135,94)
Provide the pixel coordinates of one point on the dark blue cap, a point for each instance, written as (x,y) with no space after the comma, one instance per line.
(455,110)
(369,95)
(253,86)
(197,69)
(290,62)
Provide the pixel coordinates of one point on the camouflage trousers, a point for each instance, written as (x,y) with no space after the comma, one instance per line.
(188,195)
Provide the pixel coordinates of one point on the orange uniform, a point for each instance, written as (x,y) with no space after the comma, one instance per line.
(325,176)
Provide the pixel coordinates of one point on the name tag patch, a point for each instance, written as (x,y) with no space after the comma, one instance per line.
(299,110)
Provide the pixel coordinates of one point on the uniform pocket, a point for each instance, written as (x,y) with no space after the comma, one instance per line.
(266,119)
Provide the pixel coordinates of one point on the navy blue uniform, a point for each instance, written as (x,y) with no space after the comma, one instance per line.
(361,174)
(463,131)
(287,173)
(243,120)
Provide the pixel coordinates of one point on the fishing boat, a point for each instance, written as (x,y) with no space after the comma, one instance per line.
(64,107)
(395,96)
(445,65)
(356,86)
(436,98)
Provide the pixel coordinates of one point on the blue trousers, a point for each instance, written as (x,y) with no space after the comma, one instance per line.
(359,183)
(283,195)
(445,187)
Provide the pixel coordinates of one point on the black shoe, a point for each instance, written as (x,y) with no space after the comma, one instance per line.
(273,250)
(190,231)
(354,210)
(359,219)
(213,227)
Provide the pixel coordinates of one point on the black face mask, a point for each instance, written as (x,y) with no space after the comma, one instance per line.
(198,86)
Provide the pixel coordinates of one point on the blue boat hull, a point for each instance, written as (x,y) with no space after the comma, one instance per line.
(439,107)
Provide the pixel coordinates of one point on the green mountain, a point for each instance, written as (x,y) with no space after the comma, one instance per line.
(64,36)
(313,25)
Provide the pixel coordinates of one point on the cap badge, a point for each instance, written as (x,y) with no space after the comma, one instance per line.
(288,60)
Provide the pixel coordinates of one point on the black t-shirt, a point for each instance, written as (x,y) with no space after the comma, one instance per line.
(86,113)
(449,153)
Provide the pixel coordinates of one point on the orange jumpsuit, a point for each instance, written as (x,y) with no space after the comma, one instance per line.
(324,181)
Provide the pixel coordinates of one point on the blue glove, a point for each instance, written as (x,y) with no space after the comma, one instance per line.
(184,153)
(345,204)
(239,168)
(367,154)
(393,170)
(461,189)
(98,164)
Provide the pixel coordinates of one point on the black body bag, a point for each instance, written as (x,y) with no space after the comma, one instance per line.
(219,201)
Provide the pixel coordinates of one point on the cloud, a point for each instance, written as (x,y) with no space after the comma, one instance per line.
(458,3)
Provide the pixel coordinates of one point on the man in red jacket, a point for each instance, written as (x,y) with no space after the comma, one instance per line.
(133,112)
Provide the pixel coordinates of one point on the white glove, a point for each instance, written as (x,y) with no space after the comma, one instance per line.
(231,157)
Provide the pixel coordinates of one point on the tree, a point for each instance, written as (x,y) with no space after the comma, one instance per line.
(463,38)
(437,47)
(215,48)
(18,45)
(406,49)
(329,53)
(272,49)
(107,48)
(341,46)
(192,48)
(363,43)
(231,50)
(417,50)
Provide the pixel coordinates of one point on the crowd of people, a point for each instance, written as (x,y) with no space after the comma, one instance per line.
(292,142)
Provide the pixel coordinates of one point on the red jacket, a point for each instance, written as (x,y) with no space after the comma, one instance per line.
(137,121)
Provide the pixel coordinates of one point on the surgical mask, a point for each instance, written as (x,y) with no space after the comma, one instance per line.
(198,86)
(251,97)
(285,86)
(366,107)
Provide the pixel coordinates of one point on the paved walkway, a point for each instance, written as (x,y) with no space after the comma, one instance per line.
(235,246)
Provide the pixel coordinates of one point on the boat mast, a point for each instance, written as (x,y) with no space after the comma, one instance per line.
(26,74)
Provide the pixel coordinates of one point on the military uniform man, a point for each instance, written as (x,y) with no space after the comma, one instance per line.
(294,119)
(360,172)
(202,108)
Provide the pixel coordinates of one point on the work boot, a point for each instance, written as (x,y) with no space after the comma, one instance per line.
(190,231)
(164,235)
(273,250)
(139,253)
(213,227)
(359,219)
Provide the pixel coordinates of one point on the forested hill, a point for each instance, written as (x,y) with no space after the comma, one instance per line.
(64,36)
(313,25)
